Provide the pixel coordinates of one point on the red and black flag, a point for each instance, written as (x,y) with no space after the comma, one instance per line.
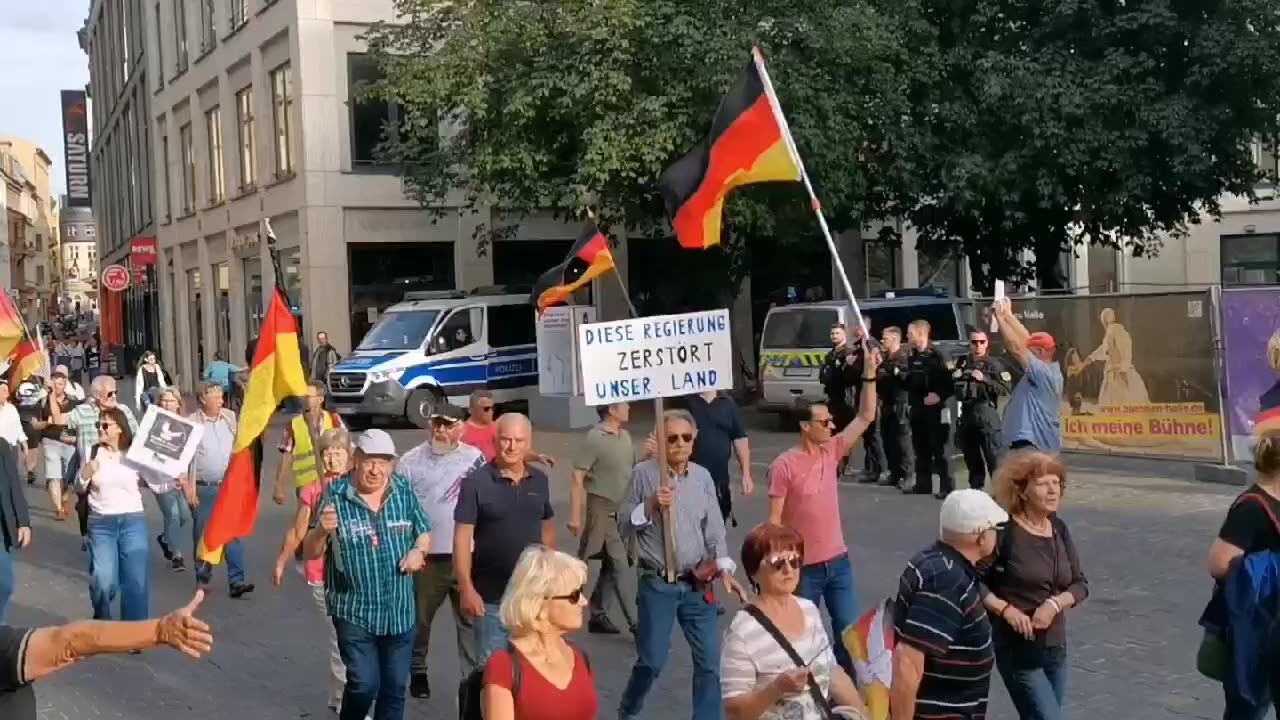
(748,144)
(587,260)
(25,360)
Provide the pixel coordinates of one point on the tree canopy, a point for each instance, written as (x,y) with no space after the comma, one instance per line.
(992,127)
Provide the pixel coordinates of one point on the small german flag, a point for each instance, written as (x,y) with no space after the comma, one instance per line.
(25,360)
(587,260)
(748,144)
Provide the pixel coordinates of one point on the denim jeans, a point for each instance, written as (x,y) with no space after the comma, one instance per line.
(490,634)
(118,553)
(1035,675)
(377,671)
(176,513)
(832,582)
(661,605)
(208,495)
(6,581)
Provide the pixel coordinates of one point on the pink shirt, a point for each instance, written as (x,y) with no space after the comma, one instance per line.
(310,496)
(483,438)
(808,482)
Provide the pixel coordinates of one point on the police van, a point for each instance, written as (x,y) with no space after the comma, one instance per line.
(796,338)
(438,346)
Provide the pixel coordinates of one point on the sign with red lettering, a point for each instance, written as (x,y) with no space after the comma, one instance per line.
(115,278)
(142,251)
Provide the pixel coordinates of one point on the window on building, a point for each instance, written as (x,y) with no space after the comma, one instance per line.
(39,274)
(180,34)
(207,39)
(159,49)
(244,124)
(71,231)
(39,242)
(282,115)
(369,117)
(239,13)
(213,129)
(1266,155)
(1250,259)
(187,157)
(90,231)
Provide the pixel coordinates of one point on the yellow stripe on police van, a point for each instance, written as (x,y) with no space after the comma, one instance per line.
(793,359)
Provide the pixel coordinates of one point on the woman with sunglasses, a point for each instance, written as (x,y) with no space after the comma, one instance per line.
(544,600)
(760,678)
(118,548)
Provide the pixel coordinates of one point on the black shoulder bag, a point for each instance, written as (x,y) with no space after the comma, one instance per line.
(824,705)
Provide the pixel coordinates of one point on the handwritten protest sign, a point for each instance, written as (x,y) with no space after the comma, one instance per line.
(655,357)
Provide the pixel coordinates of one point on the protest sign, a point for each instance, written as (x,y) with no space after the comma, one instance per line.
(165,442)
(656,357)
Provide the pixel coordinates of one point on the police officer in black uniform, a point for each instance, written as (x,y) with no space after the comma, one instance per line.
(980,380)
(895,418)
(839,376)
(873,455)
(928,387)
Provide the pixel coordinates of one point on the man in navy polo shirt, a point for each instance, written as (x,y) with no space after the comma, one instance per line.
(503,507)
(721,434)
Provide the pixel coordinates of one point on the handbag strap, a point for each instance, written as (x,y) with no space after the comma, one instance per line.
(824,705)
(1266,507)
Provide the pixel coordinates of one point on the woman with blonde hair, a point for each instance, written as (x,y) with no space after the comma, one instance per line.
(335,458)
(171,496)
(544,600)
(1032,580)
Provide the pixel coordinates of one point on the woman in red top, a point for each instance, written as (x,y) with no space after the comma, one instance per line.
(544,600)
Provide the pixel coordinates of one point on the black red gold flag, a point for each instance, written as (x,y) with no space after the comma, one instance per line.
(748,144)
(588,259)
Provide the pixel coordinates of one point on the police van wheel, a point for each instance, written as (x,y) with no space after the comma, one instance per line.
(421,403)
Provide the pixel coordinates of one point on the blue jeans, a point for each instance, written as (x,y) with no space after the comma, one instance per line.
(832,582)
(377,671)
(490,634)
(1036,676)
(118,555)
(176,513)
(659,606)
(6,581)
(208,495)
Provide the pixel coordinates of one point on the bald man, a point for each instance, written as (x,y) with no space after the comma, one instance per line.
(502,523)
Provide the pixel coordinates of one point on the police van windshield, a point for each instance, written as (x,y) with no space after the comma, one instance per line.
(400,330)
(800,328)
(941,317)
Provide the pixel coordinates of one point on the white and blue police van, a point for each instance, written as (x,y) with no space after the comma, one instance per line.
(438,346)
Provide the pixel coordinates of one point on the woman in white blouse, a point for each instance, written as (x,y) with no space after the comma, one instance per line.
(118,551)
(760,679)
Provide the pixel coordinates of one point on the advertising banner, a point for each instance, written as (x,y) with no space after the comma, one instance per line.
(1250,329)
(75,147)
(1139,372)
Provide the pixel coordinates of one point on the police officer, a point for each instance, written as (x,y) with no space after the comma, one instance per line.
(928,387)
(838,376)
(873,455)
(980,380)
(895,419)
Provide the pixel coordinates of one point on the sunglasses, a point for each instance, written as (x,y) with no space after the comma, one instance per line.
(682,437)
(485,408)
(778,562)
(977,342)
(829,422)
(111,393)
(105,425)
(573,597)
(443,422)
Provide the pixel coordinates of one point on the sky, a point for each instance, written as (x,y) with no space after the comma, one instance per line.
(39,57)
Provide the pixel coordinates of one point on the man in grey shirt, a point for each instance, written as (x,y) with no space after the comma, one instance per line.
(208,467)
(701,554)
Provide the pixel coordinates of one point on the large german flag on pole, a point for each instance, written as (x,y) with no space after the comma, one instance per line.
(588,259)
(26,359)
(748,144)
(276,374)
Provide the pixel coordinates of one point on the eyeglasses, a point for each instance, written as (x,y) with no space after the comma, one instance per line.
(685,438)
(778,562)
(573,597)
(827,422)
(105,425)
(111,393)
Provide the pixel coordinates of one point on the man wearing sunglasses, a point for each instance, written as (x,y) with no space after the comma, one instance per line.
(701,555)
(803,494)
(980,381)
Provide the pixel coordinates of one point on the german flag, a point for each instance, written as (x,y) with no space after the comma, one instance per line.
(276,373)
(587,260)
(748,144)
(23,363)
(12,330)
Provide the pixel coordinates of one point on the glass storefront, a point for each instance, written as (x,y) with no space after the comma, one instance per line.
(251,276)
(291,268)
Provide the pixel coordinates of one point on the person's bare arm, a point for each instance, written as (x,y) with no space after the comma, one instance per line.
(294,536)
(549,533)
(844,691)
(282,477)
(577,501)
(497,704)
(908,671)
(742,449)
(776,505)
(1222,555)
(463,535)
(1013,332)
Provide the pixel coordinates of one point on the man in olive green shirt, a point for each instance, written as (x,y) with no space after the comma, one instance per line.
(601,473)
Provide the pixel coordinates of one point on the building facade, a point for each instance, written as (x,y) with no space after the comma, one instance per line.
(79,261)
(114,39)
(32,221)
(253,119)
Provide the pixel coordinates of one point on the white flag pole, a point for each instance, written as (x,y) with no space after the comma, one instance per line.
(808,186)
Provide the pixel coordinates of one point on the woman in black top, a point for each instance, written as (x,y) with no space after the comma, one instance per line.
(1032,580)
(1251,526)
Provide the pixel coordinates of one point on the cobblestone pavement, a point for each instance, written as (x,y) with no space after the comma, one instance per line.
(1143,542)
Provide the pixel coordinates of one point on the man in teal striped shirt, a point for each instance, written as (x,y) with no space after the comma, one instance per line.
(373,534)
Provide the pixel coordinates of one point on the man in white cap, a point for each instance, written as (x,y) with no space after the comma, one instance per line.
(374,535)
(943,658)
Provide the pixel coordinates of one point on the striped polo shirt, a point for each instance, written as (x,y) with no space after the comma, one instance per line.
(363,583)
(939,611)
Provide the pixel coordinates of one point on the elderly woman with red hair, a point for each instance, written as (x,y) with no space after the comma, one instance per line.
(1032,581)
(777,660)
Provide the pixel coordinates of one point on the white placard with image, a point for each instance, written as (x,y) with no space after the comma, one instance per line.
(165,442)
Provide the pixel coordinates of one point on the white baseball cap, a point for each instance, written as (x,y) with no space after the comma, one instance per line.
(377,443)
(970,512)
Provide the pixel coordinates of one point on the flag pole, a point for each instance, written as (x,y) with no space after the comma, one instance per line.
(814,203)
